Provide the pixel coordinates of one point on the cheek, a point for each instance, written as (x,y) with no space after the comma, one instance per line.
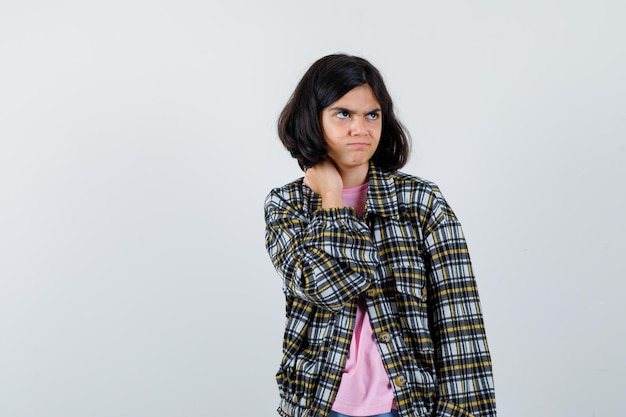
(331,144)
(330,133)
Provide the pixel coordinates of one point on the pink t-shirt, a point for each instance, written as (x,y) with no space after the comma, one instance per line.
(365,389)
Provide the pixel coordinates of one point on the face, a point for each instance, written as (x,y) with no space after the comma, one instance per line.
(352,126)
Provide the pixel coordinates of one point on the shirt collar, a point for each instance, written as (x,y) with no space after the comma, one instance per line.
(381,195)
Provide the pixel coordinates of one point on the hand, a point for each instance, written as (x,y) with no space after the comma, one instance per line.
(324,179)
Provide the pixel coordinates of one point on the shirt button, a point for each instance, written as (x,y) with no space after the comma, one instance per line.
(400,380)
(384,337)
(371,293)
(424,293)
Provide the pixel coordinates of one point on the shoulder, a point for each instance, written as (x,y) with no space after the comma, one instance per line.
(288,190)
(420,196)
(406,181)
(411,188)
(291,195)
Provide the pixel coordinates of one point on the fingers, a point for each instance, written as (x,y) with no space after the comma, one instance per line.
(323,178)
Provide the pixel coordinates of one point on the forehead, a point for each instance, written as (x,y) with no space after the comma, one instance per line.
(360,97)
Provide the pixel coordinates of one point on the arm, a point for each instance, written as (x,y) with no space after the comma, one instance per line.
(326,257)
(463,363)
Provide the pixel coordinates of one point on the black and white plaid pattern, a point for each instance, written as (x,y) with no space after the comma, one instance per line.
(408,258)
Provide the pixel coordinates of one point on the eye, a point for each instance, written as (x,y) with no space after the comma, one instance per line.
(373,116)
(343,114)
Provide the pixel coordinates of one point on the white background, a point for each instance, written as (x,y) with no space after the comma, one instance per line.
(138,141)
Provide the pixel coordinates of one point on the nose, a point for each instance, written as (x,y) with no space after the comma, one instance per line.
(358,127)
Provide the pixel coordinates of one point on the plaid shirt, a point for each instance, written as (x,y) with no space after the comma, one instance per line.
(408,258)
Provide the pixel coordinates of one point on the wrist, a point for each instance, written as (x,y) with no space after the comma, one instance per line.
(332,200)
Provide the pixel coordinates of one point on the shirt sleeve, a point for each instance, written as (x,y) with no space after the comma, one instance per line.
(463,363)
(326,257)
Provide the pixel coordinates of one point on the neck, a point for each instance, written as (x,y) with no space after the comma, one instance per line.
(354,177)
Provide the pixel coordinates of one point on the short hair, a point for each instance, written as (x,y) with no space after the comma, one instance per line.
(326,81)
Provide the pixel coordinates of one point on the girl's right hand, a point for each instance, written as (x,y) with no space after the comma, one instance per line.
(324,179)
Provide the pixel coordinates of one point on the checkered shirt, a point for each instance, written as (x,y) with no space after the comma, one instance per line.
(408,259)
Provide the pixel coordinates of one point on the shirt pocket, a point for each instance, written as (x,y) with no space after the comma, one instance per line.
(411,280)
(412,304)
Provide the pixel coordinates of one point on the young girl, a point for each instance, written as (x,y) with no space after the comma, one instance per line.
(383,315)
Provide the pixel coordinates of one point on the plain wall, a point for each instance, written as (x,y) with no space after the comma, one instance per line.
(138,141)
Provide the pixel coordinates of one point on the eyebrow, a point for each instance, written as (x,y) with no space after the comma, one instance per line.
(343,109)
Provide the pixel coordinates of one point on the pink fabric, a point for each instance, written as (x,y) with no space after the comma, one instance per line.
(365,389)
(356,198)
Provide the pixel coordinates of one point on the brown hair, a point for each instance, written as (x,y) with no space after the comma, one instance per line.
(326,81)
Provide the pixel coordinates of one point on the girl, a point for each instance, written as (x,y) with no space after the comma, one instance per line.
(383,314)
